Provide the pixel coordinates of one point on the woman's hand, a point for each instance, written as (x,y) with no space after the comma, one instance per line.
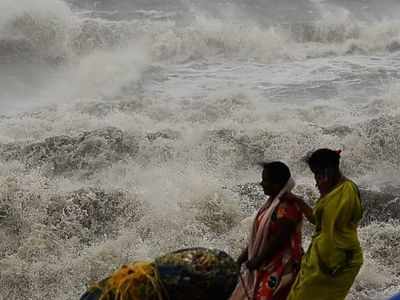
(242,257)
(252,264)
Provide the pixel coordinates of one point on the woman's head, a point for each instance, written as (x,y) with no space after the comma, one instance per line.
(324,163)
(275,175)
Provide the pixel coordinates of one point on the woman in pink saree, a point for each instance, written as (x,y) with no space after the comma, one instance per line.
(273,254)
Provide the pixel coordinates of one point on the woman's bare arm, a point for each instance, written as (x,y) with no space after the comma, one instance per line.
(304,207)
(307,210)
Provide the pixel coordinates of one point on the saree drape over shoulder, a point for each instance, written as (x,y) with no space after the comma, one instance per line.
(334,257)
(274,278)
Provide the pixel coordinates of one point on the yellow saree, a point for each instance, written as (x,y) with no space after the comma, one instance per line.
(334,257)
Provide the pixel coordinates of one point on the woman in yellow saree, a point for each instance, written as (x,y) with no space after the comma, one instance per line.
(334,257)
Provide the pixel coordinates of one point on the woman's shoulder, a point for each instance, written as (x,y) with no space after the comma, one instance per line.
(350,186)
(288,207)
(291,198)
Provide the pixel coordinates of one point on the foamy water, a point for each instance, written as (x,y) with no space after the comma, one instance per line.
(127,129)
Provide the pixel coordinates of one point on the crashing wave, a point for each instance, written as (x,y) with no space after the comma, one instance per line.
(87,152)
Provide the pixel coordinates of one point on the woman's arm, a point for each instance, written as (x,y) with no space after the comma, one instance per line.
(275,243)
(307,210)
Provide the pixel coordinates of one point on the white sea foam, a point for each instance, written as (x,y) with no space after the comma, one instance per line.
(121,140)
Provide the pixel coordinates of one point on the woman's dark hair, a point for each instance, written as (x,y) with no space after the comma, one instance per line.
(324,159)
(278,172)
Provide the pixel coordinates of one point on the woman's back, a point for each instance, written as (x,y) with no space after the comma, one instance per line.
(337,215)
